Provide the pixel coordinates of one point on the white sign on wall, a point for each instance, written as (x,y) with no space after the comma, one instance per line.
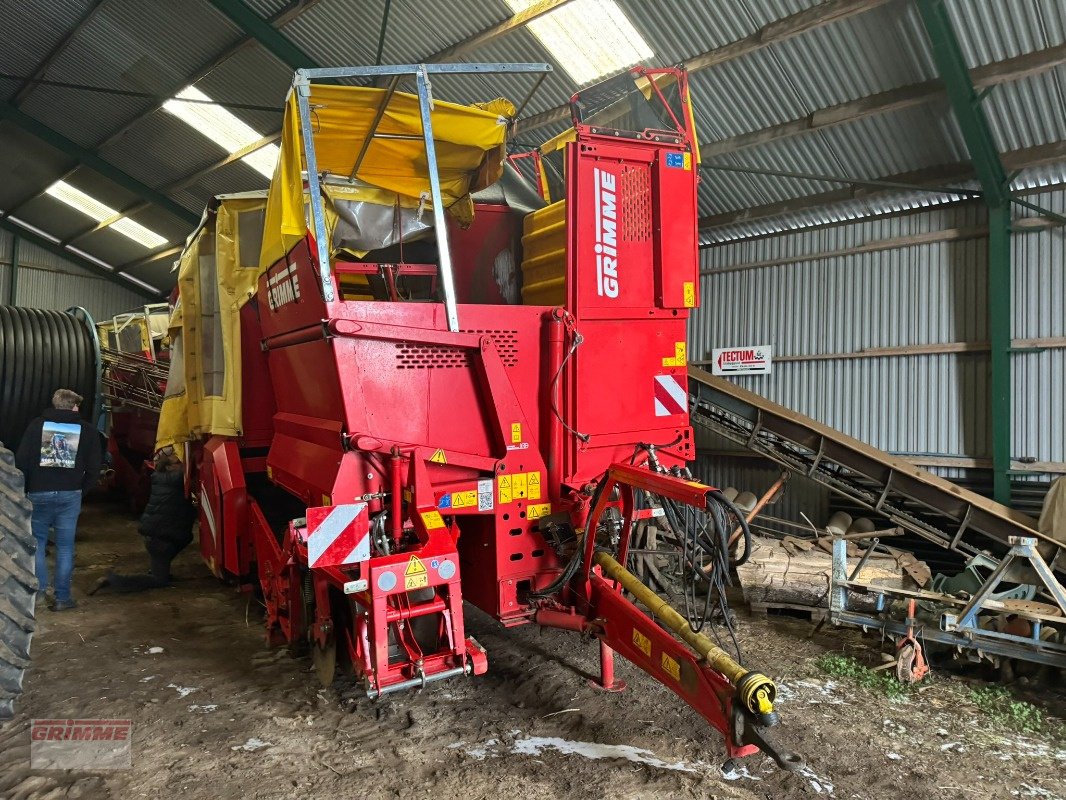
(748,360)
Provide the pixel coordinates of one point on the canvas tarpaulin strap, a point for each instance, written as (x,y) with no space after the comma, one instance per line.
(469,143)
(218,273)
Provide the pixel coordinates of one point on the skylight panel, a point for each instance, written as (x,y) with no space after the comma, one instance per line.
(91,207)
(589,38)
(222,127)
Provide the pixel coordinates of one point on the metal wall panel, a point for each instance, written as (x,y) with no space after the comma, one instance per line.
(47,281)
(931,404)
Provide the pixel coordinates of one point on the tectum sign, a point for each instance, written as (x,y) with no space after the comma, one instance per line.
(749,360)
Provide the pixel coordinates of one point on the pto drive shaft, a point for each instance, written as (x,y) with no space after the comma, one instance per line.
(755,691)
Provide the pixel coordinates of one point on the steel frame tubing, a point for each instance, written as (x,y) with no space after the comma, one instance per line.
(421,73)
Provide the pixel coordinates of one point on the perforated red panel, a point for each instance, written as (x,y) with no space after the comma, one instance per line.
(635,193)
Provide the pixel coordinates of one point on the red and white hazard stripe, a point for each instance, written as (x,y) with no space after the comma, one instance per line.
(670,396)
(337,535)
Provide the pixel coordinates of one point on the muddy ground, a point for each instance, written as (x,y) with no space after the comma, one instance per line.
(217,715)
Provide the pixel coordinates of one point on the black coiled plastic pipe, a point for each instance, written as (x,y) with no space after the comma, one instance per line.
(41,351)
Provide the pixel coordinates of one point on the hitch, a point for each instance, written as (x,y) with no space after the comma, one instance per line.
(747,730)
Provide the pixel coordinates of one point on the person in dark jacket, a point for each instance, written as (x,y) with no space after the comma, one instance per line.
(166,526)
(60,456)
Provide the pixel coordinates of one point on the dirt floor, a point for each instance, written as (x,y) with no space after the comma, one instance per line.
(216,714)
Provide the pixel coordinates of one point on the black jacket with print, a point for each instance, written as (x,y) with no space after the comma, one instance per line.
(55,459)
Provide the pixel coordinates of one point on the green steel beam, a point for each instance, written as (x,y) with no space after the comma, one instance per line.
(24,234)
(93,161)
(13,278)
(276,43)
(995,188)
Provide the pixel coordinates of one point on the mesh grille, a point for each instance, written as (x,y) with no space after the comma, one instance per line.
(432,356)
(636,204)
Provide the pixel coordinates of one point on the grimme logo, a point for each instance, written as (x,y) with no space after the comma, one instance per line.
(283,287)
(606,233)
(94,744)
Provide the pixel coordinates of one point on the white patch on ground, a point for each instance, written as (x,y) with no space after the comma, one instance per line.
(183,691)
(1028,790)
(154,651)
(818,783)
(1020,747)
(894,756)
(739,772)
(810,692)
(534,745)
(149,678)
(252,745)
(205,709)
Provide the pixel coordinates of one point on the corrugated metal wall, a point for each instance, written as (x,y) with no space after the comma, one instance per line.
(925,294)
(46,280)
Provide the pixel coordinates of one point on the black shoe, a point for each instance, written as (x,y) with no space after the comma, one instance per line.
(63,605)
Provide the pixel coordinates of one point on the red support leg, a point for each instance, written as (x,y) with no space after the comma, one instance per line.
(607,681)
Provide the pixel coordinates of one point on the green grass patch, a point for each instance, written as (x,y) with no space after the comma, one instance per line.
(999,704)
(883,682)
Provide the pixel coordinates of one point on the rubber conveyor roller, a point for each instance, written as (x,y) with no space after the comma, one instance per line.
(950,516)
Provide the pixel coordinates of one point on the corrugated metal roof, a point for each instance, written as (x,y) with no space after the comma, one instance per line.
(148,46)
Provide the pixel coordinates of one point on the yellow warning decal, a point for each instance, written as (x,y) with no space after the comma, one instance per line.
(687,158)
(641,642)
(270,473)
(432,520)
(464,499)
(673,669)
(538,510)
(415,576)
(689,289)
(518,486)
(516,432)
(503,484)
(327,500)
(680,356)
(438,457)
(533,485)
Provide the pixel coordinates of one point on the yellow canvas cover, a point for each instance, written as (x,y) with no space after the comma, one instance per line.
(469,143)
(218,272)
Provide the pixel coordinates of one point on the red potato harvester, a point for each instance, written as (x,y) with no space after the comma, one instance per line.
(446,390)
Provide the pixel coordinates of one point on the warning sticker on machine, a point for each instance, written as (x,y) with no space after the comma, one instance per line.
(503,483)
(641,642)
(467,499)
(518,486)
(680,356)
(516,432)
(672,668)
(484,495)
(432,520)
(415,576)
(533,485)
(689,291)
(438,457)
(538,510)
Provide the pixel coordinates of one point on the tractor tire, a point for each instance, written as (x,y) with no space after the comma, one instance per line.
(18,584)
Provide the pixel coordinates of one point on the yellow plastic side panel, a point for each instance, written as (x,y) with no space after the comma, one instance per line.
(544,256)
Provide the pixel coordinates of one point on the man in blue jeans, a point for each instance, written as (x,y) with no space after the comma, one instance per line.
(60,457)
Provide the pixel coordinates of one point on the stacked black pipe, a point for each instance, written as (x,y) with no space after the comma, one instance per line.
(41,351)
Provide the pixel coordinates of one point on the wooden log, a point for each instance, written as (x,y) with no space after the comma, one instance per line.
(773,575)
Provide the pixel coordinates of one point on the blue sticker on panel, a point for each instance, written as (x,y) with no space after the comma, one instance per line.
(445,502)
(676,160)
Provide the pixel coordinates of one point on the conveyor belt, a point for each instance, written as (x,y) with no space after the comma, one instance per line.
(951,516)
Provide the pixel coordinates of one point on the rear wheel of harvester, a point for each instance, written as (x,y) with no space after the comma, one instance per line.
(18,584)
